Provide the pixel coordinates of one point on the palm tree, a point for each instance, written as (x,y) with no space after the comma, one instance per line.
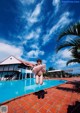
(73,44)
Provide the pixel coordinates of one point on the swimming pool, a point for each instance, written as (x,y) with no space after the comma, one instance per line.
(13,89)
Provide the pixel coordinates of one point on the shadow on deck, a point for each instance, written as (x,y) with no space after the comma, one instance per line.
(74,108)
(40,94)
(75,87)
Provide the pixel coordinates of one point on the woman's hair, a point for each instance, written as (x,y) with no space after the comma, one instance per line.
(39,60)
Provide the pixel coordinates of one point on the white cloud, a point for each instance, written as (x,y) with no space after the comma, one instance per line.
(34,34)
(34,46)
(65,54)
(24,2)
(55,2)
(34,16)
(7,50)
(30,36)
(64,20)
(59,59)
(38,30)
(34,53)
(61,63)
(56,5)
(37,10)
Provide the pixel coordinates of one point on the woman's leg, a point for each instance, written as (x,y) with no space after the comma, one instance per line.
(37,79)
(41,79)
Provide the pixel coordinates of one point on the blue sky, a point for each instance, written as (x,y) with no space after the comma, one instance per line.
(29,29)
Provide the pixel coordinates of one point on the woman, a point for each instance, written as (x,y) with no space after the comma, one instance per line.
(39,69)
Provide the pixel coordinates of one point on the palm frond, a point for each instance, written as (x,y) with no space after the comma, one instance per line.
(72,30)
(75,53)
(77,41)
(70,43)
(73,61)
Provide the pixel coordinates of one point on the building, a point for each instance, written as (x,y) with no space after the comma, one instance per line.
(59,73)
(14,68)
(55,73)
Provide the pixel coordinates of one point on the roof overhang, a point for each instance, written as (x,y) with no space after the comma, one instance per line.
(55,70)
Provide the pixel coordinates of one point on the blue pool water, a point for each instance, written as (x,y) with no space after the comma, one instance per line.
(12,89)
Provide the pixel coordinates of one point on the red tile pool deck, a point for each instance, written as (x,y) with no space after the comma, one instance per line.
(61,99)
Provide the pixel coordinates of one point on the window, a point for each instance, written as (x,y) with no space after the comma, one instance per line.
(10,58)
(1,68)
